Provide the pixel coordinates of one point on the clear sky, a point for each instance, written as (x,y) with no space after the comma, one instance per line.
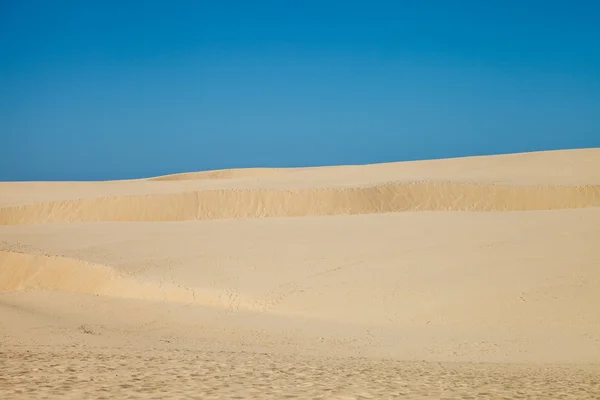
(103,89)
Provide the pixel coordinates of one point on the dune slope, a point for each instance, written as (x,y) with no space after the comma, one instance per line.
(224,204)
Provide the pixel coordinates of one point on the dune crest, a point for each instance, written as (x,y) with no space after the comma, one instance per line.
(222,174)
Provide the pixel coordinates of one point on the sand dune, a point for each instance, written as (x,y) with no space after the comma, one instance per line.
(488,277)
(531,181)
(224,204)
(553,168)
(381,280)
(578,167)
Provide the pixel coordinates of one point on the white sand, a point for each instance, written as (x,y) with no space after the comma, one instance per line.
(334,281)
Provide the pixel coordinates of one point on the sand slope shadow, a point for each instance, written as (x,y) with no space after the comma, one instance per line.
(261,203)
(21,272)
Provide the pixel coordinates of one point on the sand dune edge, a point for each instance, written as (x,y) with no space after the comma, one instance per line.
(24,272)
(264,203)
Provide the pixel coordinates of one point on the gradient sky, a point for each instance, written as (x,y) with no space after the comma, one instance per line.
(93,90)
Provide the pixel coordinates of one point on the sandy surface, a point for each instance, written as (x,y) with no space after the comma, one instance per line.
(463,278)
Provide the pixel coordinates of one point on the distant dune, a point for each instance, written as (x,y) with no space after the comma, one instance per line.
(421,268)
(223,174)
(317,192)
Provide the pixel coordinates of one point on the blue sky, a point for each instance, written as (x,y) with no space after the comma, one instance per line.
(93,90)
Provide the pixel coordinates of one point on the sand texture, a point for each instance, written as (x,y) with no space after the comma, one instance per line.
(461,278)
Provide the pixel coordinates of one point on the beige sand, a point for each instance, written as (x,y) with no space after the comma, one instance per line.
(447,278)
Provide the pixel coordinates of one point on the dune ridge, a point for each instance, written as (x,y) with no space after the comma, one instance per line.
(233,173)
(575,164)
(264,203)
(24,272)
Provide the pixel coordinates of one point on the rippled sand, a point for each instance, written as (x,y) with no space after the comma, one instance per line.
(83,373)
